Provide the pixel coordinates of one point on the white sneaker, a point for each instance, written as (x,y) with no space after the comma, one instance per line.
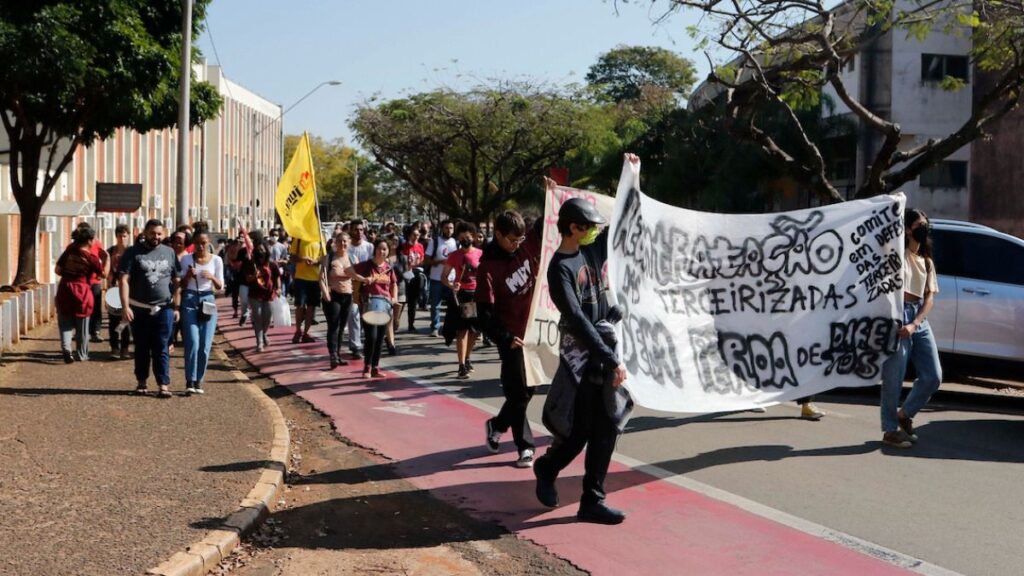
(525,459)
(199,390)
(190,391)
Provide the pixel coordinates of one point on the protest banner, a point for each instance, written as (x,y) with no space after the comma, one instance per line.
(727,312)
(542,336)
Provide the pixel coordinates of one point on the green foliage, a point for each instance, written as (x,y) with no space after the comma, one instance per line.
(627,73)
(472,153)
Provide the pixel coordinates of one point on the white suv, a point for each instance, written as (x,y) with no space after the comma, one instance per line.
(979,310)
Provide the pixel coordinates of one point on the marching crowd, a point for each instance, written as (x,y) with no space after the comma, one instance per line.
(364,279)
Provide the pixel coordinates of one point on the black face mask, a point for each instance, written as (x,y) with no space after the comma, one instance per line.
(920,234)
(465,243)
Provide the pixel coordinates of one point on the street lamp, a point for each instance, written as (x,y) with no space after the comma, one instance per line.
(255,135)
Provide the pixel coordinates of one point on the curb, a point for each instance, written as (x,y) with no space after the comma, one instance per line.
(203,556)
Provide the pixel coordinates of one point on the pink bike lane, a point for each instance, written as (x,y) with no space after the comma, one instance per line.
(435,441)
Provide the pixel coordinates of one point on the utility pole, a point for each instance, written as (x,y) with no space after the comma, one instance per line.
(181,203)
(355,187)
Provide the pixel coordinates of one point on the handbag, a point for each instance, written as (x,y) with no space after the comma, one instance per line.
(280,314)
(206,310)
(466,309)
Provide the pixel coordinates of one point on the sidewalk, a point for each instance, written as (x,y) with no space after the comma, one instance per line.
(98,481)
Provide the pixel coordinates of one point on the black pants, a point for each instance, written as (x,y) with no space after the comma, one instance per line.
(517,397)
(119,341)
(593,428)
(412,296)
(373,341)
(233,283)
(336,311)
(96,320)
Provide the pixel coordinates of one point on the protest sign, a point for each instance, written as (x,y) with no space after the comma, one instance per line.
(542,336)
(727,312)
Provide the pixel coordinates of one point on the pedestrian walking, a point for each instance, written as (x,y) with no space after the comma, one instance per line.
(360,250)
(96,286)
(505,283)
(204,276)
(379,287)
(459,276)
(118,332)
(916,342)
(149,279)
(584,406)
(279,256)
(437,254)
(306,285)
(413,254)
(75,300)
(264,280)
(336,294)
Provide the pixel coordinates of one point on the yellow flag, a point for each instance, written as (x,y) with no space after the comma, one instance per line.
(295,200)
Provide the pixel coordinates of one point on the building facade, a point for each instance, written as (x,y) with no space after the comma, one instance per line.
(235,162)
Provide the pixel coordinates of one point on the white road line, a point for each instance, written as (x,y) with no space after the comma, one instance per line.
(806,526)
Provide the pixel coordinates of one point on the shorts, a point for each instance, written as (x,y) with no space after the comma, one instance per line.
(306,292)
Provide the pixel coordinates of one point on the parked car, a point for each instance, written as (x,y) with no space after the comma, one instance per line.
(979,310)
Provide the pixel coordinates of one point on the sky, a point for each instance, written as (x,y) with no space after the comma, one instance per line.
(390,48)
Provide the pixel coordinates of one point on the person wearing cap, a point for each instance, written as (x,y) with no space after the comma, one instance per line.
(580,408)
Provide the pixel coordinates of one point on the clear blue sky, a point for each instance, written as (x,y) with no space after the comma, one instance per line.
(282,49)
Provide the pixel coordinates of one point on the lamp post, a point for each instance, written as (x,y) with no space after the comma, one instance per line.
(256,133)
(355,187)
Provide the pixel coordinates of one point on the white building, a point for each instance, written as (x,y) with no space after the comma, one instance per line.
(235,163)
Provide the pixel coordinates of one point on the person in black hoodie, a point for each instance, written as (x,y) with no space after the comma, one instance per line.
(586,405)
(505,283)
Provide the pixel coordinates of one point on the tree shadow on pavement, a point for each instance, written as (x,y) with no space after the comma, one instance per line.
(63,391)
(49,358)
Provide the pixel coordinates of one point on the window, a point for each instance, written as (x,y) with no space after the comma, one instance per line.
(946,174)
(946,252)
(936,67)
(991,259)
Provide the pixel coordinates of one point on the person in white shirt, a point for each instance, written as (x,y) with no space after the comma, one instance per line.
(437,254)
(359,250)
(203,275)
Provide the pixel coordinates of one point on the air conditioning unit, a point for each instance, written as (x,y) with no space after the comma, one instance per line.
(50,224)
(104,222)
(156,201)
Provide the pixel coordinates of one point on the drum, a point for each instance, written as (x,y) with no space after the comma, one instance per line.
(113,300)
(377,311)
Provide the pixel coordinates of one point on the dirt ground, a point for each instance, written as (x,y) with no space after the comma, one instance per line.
(344,511)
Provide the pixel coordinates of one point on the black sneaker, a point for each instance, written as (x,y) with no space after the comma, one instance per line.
(600,513)
(546,491)
(493,437)
(463,372)
(907,425)
(392,350)
(68,358)
(525,458)
(469,366)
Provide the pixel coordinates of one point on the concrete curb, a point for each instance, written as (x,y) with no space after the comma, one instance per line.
(203,556)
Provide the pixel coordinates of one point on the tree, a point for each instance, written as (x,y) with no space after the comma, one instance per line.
(74,72)
(785,52)
(471,153)
(637,73)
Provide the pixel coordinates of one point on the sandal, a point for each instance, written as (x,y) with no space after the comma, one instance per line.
(141,390)
(164,392)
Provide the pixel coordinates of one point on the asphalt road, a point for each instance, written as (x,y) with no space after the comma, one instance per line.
(954,500)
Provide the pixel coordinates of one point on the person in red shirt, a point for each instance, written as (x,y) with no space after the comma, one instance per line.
(75,300)
(505,282)
(458,325)
(377,279)
(413,255)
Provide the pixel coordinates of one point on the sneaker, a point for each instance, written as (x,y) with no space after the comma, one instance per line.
(546,491)
(126,354)
(366,372)
(141,389)
(357,354)
(68,358)
(189,390)
(907,425)
(463,372)
(266,342)
(306,338)
(296,337)
(259,346)
(810,412)
(199,389)
(392,351)
(897,439)
(525,459)
(334,361)
(410,330)
(96,338)
(245,316)
(493,437)
(433,333)
(469,366)
(600,513)
(376,373)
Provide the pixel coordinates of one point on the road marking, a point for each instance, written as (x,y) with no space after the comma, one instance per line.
(381,395)
(806,526)
(405,408)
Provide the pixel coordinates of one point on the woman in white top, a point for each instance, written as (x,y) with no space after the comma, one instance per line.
(204,275)
(916,342)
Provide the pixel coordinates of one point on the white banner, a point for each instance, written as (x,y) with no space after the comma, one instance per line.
(542,335)
(727,312)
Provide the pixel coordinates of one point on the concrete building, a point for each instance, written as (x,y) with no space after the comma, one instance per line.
(235,163)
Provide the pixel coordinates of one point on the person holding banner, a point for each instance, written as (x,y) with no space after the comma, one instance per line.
(378,282)
(506,281)
(582,407)
(916,341)
(459,276)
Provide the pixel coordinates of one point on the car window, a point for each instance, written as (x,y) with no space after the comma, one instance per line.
(991,259)
(946,252)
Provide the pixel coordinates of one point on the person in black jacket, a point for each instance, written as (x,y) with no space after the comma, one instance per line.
(590,372)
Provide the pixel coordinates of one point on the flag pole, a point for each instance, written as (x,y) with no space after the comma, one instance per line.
(316,196)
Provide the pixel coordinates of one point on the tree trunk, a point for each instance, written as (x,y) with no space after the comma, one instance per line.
(30,207)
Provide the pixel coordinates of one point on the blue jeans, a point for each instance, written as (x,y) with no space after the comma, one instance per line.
(438,293)
(152,334)
(198,334)
(920,349)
